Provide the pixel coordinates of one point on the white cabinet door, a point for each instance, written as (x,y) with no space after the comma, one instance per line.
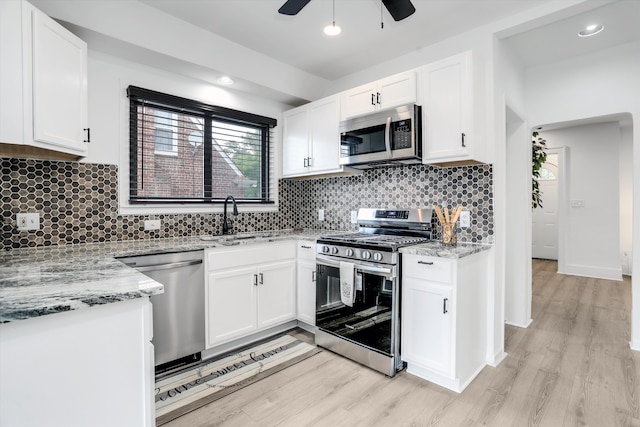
(397,90)
(59,86)
(276,293)
(359,100)
(427,332)
(311,141)
(447,108)
(324,123)
(307,291)
(231,310)
(382,94)
(43,81)
(295,145)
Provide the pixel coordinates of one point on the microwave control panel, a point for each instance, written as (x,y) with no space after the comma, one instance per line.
(401,131)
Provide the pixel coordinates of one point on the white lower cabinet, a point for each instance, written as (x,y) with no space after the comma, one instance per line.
(444,318)
(306,283)
(248,288)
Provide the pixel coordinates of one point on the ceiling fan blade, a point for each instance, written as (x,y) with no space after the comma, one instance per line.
(399,9)
(292,7)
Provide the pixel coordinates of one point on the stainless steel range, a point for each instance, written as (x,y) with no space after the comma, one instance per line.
(358,289)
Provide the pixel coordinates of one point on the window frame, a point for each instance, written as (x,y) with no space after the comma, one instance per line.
(210,113)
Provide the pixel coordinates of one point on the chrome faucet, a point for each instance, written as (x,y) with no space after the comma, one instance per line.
(226,229)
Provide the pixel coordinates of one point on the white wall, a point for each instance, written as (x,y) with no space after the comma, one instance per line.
(592,232)
(601,84)
(626,197)
(109,114)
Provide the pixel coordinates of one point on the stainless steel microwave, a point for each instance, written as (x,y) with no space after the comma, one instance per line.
(383,138)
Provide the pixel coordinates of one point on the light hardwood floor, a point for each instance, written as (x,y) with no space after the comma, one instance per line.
(571,367)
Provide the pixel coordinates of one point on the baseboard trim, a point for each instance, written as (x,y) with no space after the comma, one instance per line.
(519,325)
(497,359)
(594,272)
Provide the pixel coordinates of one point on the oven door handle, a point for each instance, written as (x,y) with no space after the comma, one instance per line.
(386,271)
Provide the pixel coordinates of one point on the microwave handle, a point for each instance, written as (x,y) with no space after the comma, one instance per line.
(387,137)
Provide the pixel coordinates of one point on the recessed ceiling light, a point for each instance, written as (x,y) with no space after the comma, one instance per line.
(225,80)
(591,30)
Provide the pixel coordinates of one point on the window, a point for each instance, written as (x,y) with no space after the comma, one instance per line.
(183,151)
(165,139)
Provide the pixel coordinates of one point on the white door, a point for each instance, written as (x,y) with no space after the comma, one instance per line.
(545,218)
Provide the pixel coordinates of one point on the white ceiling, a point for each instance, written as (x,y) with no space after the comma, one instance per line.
(299,40)
(297,56)
(558,40)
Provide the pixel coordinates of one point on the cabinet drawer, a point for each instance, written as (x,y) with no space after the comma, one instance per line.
(427,268)
(247,255)
(306,250)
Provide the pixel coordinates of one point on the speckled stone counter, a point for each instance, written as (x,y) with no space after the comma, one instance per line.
(46,280)
(437,249)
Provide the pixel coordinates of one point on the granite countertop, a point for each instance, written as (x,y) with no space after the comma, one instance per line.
(47,280)
(437,249)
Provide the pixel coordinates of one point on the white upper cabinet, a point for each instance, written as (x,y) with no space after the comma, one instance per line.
(383,94)
(448,108)
(311,142)
(43,81)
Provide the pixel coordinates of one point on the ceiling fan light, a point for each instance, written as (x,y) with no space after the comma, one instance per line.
(332,29)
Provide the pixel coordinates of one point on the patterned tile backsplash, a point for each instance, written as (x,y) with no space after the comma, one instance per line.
(78,202)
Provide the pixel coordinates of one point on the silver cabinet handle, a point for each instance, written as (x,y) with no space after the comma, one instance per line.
(255,280)
(306,162)
(378,98)
(444,305)
(425,262)
(305,247)
(463,140)
(261,279)
(373,99)
(164,266)
(313,276)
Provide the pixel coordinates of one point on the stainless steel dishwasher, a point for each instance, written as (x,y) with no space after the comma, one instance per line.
(178,313)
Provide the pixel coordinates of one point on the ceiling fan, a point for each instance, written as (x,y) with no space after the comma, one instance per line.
(398,9)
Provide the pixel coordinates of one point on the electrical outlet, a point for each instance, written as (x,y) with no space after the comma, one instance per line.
(320,214)
(465,219)
(354,217)
(28,221)
(152,224)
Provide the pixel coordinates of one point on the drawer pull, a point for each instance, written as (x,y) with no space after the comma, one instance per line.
(305,247)
(425,262)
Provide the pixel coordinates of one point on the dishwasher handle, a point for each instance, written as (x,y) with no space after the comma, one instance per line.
(164,266)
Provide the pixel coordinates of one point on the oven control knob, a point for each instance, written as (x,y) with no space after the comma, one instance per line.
(377,256)
(334,250)
(366,254)
(349,252)
(325,249)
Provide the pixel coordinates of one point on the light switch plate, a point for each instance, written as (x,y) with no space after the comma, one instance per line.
(465,219)
(28,221)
